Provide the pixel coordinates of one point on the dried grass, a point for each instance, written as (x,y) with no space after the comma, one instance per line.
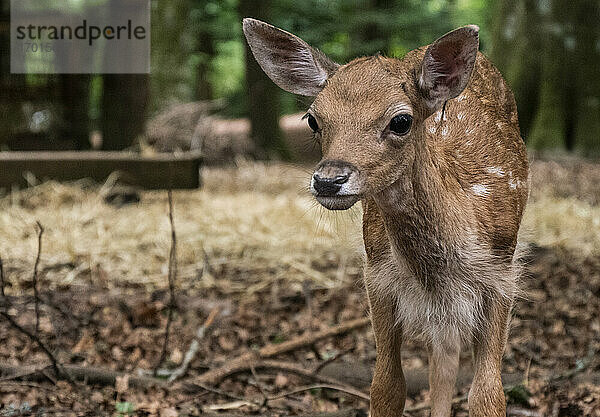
(566,222)
(255,219)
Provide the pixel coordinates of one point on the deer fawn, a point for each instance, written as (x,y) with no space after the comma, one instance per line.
(431,146)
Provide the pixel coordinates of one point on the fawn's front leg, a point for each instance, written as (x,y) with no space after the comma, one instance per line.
(443,368)
(486,397)
(388,390)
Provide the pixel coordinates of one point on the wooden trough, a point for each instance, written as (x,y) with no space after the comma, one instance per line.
(161,171)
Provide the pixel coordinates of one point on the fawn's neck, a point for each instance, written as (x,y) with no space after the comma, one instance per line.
(421,217)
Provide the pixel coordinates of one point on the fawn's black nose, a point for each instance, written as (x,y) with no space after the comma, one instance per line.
(329,186)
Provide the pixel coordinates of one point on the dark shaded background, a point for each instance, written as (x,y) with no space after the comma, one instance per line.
(549,51)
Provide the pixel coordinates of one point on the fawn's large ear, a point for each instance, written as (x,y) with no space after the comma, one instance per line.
(447,65)
(290,62)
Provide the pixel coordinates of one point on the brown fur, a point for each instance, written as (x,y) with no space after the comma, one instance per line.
(423,215)
(442,208)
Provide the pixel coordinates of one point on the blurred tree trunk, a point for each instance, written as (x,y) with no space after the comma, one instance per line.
(207,52)
(4,42)
(516,50)
(75,99)
(263,95)
(11,82)
(373,34)
(548,130)
(504,28)
(586,130)
(124,96)
(548,52)
(124,104)
(12,86)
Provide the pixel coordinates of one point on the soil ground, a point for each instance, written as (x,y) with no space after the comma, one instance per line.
(254,247)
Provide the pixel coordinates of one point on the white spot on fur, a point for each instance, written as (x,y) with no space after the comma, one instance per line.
(445,130)
(432,129)
(461,98)
(480,190)
(514,183)
(460,115)
(438,116)
(469,130)
(495,171)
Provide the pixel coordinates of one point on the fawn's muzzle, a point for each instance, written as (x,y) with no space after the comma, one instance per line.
(328,187)
(335,184)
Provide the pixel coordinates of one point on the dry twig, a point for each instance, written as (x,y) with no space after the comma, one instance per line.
(194,346)
(242,363)
(332,359)
(34,338)
(346,390)
(427,405)
(36,294)
(172,274)
(295,369)
(339,413)
(2,283)
(265,397)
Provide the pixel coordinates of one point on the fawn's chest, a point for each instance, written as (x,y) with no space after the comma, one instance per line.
(441,287)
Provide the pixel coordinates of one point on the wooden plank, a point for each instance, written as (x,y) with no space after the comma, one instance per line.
(160,171)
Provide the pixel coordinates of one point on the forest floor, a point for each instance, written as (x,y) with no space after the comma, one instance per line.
(259,264)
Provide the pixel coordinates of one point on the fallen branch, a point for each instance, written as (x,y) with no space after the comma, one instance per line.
(341,413)
(93,376)
(172,273)
(416,379)
(22,373)
(194,346)
(242,363)
(292,368)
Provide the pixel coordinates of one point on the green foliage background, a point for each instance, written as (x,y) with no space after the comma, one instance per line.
(337,27)
(548,50)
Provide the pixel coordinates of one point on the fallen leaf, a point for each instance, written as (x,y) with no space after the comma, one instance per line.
(281,381)
(168,412)
(122,384)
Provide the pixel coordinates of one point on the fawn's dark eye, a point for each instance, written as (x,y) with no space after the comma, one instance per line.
(400,124)
(312,123)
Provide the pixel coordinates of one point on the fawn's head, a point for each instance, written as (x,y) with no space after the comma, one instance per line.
(368,114)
